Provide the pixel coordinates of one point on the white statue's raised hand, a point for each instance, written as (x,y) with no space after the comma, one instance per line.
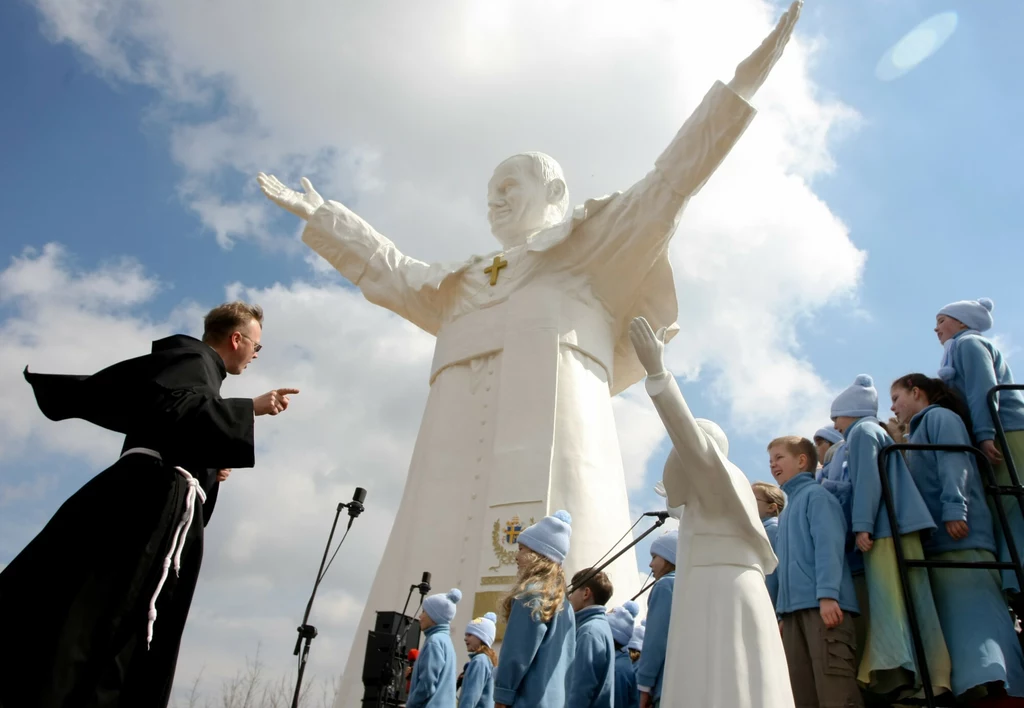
(676,512)
(649,345)
(753,70)
(302,204)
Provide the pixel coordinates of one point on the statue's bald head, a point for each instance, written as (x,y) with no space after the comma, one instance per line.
(716,434)
(527,193)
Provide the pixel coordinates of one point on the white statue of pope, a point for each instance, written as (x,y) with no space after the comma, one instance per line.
(532,342)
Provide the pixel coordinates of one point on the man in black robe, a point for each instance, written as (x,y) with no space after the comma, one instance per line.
(92,610)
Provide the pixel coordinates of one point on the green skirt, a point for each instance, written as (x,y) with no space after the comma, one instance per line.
(1015,440)
(888,665)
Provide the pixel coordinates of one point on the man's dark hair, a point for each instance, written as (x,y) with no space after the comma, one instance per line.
(224,320)
(600,586)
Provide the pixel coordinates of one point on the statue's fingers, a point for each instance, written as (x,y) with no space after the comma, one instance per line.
(307,185)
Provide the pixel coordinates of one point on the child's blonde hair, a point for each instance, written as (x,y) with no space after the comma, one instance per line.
(541,585)
(796,446)
(773,494)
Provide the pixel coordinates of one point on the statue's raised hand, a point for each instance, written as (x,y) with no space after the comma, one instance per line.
(302,204)
(649,345)
(753,70)
(676,512)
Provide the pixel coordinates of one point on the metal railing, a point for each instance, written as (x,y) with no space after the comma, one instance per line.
(993,490)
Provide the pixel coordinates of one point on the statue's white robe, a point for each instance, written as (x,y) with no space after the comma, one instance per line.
(519,418)
(724,647)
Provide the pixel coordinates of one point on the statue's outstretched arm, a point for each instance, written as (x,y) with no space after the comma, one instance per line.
(753,70)
(386,276)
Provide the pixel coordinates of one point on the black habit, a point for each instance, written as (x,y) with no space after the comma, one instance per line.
(74,602)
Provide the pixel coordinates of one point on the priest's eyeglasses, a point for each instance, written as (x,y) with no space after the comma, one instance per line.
(256,346)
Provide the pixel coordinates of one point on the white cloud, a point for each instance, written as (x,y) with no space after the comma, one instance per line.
(402,111)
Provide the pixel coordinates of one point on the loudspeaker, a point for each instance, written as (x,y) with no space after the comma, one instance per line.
(406,628)
(389,622)
(378,665)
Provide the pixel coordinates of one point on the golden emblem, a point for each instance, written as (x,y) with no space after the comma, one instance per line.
(508,536)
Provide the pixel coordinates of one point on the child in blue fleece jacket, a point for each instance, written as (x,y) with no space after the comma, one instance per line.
(478,677)
(622,620)
(650,673)
(591,682)
(433,677)
(540,635)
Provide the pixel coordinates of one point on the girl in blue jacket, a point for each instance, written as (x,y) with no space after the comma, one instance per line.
(985,653)
(972,365)
(540,636)
(887,666)
(770,503)
(650,672)
(433,676)
(477,679)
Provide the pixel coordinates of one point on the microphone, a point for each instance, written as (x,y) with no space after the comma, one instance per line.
(659,514)
(355,507)
(424,586)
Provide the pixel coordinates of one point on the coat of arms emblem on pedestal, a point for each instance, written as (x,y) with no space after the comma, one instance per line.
(504,540)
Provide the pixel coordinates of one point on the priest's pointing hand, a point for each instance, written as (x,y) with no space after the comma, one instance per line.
(272,402)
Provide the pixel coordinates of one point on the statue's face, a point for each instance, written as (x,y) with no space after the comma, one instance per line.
(518,201)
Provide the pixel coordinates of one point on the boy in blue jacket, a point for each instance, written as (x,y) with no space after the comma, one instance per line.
(650,671)
(591,681)
(816,593)
(433,677)
(621,620)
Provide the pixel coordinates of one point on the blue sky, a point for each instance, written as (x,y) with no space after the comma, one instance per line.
(927,180)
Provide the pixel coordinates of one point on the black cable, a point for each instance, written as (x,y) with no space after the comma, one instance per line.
(601,559)
(336,549)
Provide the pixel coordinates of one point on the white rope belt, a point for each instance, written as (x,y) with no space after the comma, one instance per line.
(178,540)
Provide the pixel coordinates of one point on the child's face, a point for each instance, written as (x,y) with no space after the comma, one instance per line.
(473,643)
(946,327)
(907,402)
(660,566)
(842,423)
(784,464)
(524,556)
(765,508)
(425,621)
(580,598)
(822,446)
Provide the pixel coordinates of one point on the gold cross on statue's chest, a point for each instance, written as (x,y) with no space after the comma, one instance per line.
(494,267)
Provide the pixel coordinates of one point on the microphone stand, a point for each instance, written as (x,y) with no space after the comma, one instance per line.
(307,631)
(662,516)
(644,589)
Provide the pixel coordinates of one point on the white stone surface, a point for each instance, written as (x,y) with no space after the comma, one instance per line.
(518,421)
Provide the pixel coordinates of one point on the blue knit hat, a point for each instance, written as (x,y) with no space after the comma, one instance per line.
(549,536)
(637,640)
(828,433)
(976,314)
(483,628)
(441,608)
(621,620)
(858,400)
(665,546)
